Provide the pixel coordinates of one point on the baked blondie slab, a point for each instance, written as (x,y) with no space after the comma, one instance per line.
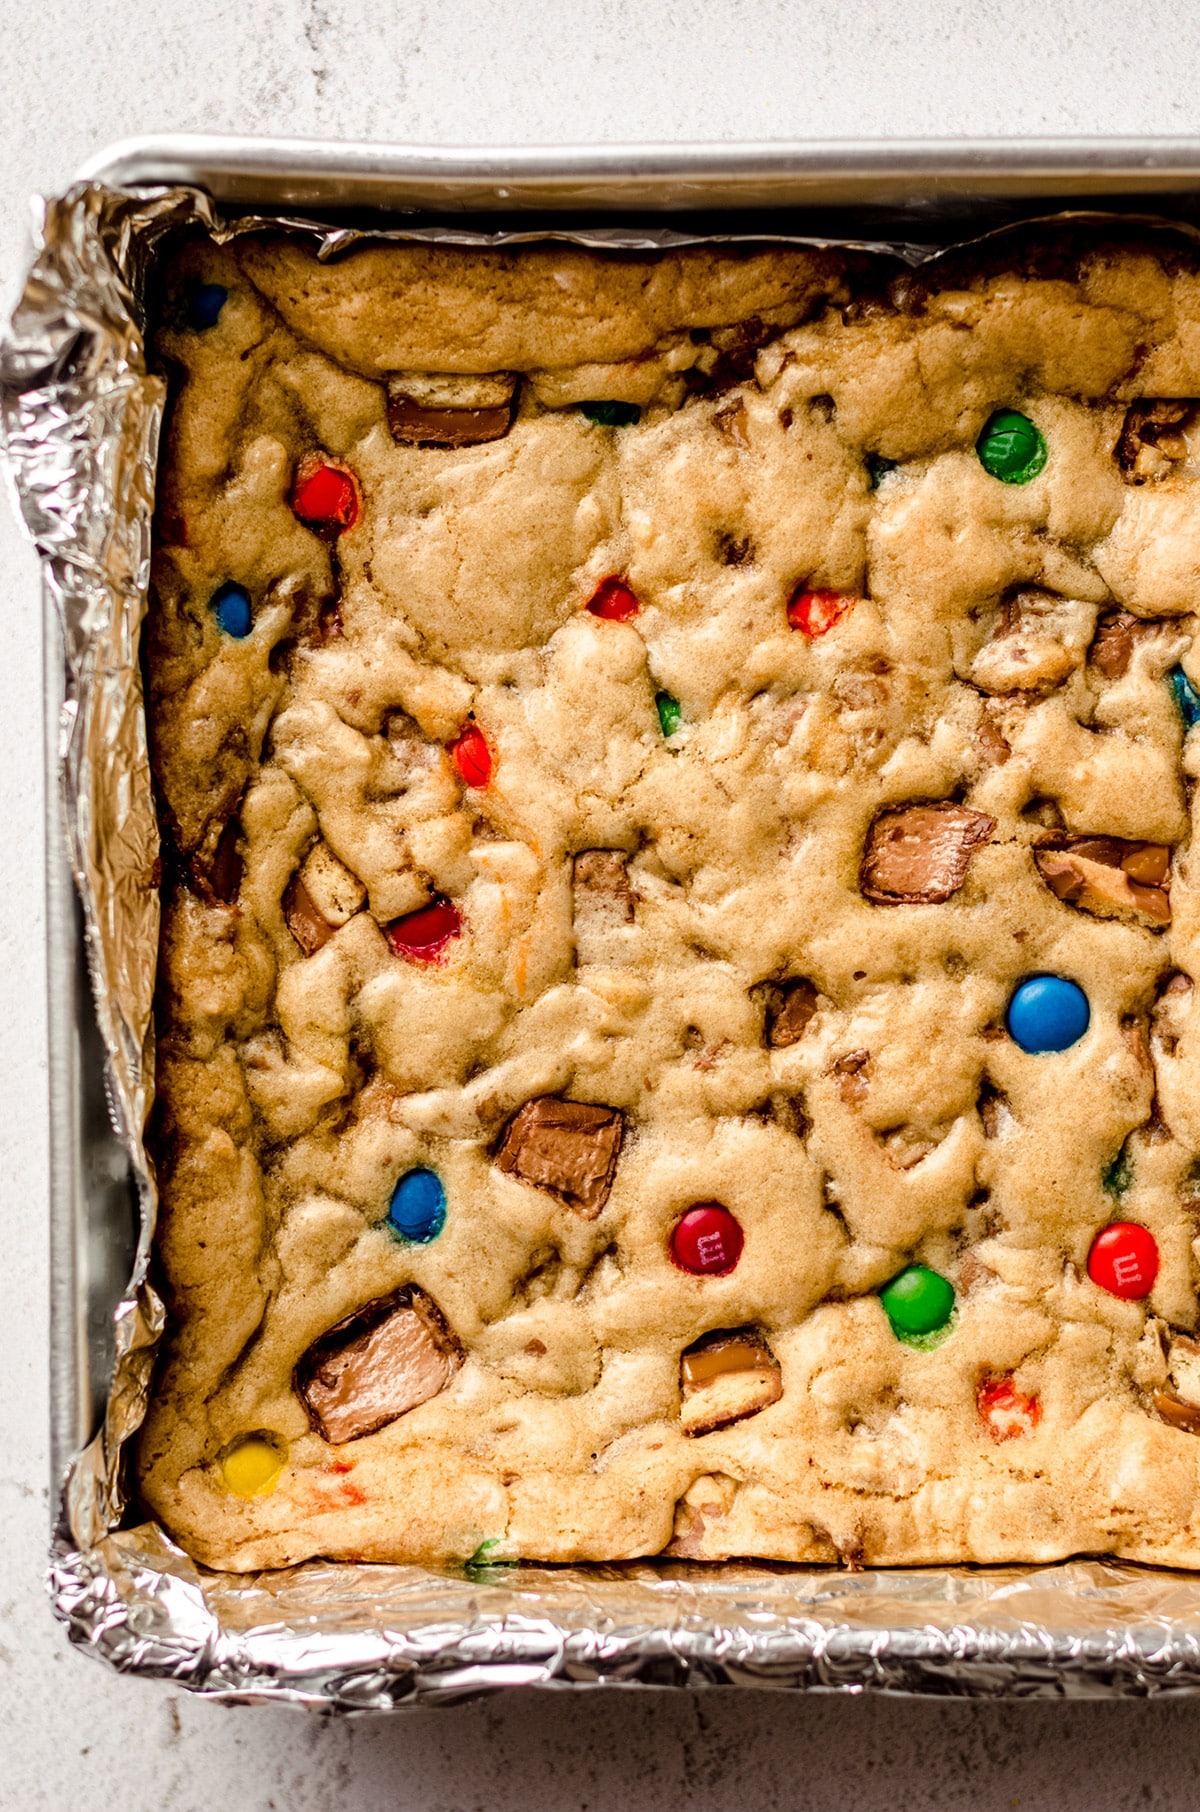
(676,1024)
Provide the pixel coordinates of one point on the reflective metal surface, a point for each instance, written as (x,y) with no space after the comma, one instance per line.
(80,419)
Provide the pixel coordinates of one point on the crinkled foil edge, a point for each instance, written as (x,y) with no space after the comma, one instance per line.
(79,423)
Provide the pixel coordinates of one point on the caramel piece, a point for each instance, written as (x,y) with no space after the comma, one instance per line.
(425,410)
(1111,877)
(726,1376)
(567,1147)
(387,1358)
(310,930)
(920,854)
(789,1013)
(1179,1414)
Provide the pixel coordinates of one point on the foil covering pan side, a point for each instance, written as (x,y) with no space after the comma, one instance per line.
(80,418)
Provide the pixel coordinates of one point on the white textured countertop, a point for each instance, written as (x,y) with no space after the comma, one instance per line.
(80,73)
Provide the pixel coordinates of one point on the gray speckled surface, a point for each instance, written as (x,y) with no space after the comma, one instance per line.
(79,73)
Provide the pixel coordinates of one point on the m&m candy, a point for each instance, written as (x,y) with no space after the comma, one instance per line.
(814,613)
(471,757)
(707,1241)
(325,496)
(1005,1411)
(230,604)
(1047,1013)
(1187,699)
(417,1210)
(614,600)
(204,304)
(918,1303)
(670,713)
(1124,1260)
(611,415)
(251,1464)
(422,936)
(1011,448)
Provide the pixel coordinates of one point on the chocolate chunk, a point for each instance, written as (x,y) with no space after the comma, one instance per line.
(567,1147)
(601,874)
(387,1358)
(216,871)
(920,854)
(1152,438)
(434,411)
(304,922)
(603,903)
(1113,643)
(790,1007)
(727,1375)
(1112,877)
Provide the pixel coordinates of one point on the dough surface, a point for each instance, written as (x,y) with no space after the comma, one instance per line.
(772,948)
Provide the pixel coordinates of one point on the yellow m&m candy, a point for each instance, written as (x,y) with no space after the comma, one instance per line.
(251,1465)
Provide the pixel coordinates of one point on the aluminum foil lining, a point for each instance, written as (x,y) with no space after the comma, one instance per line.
(79,422)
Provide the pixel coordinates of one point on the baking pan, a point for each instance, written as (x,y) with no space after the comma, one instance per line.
(369,1638)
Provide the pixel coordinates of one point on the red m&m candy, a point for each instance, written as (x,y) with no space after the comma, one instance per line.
(707,1241)
(1004,1410)
(471,757)
(422,936)
(814,613)
(1124,1260)
(614,600)
(325,496)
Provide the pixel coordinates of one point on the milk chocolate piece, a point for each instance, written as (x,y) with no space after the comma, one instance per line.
(726,1376)
(567,1147)
(216,868)
(1112,877)
(1152,437)
(790,1007)
(1114,642)
(305,923)
(425,410)
(602,885)
(920,853)
(387,1358)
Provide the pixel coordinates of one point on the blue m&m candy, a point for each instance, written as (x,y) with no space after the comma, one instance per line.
(204,304)
(1048,1013)
(1186,697)
(230,604)
(417,1210)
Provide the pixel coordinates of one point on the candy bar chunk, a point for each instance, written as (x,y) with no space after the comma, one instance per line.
(603,902)
(1153,439)
(567,1147)
(387,1358)
(1179,1404)
(1116,637)
(920,854)
(790,1007)
(320,898)
(1109,876)
(726,1376)
(426,409)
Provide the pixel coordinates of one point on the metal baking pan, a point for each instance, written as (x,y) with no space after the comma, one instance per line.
(376,1637)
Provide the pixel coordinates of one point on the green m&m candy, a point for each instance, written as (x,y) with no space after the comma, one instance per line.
(918,1303)
(611,415)
(670,713)
(1010,447)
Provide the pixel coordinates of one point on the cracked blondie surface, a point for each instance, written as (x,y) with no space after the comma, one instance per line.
(676,1026)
